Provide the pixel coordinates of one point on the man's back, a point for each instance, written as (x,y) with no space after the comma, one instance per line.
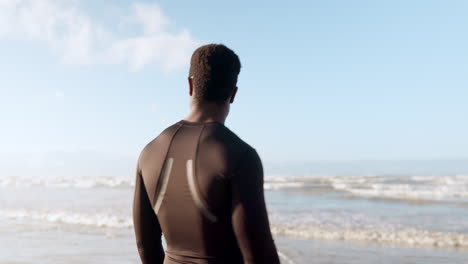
(202,186)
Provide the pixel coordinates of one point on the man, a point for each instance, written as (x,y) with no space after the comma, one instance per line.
(198,183)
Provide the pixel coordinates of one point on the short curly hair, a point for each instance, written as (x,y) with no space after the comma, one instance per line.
(214,69)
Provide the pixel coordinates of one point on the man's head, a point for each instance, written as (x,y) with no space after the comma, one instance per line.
(213,74)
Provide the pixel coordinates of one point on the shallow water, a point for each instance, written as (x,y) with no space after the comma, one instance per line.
(320,218)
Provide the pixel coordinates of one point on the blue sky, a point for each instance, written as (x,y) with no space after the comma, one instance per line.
(83,83)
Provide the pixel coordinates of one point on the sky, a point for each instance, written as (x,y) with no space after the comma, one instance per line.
(84,85)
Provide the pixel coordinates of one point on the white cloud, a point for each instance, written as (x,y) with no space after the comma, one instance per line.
(151,17)
(63,27)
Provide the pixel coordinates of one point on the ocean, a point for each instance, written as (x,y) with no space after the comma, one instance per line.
(315,218)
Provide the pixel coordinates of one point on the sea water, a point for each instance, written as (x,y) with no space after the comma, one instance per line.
(314,218)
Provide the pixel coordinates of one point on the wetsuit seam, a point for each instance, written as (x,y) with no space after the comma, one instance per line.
(195,166)
(158,184)
(202,200)
(197,124)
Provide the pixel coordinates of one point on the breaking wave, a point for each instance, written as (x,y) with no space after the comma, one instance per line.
(80,182)
(64,217)
(397,187)
(408,236)
(390,235)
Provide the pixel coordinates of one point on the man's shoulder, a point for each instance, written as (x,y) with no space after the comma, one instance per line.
(228,144)
(230,138)
(220,133)
(241,155)
(162,139)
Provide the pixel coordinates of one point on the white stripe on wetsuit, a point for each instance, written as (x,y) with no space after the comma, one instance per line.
(165,179)
(195,196)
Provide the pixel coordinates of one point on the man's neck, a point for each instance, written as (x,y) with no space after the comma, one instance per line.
(208,113)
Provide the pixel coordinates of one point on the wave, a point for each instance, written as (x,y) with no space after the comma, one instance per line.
(285,258)
(111,182)
(390,235)
(409,236)
(91,220)
(413,187)
(394,187)
(397,187)
(80,182)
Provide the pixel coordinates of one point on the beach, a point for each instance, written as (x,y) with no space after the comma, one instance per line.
(355,109)
(314,219)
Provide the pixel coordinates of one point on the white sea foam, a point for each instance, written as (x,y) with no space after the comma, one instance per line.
(274,185)
(409,236)
(80,182)
(316,229)
(413,187)
(397,187)
(285,258)
(92,220)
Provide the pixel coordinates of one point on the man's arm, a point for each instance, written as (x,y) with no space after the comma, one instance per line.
(249,214)
(147,230)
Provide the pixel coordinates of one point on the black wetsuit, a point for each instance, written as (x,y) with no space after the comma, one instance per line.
(202,187)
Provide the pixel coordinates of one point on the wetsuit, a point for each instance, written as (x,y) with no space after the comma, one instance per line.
(202,187)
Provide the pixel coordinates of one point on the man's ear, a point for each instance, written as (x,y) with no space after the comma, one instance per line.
(234,92)
(190,86)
